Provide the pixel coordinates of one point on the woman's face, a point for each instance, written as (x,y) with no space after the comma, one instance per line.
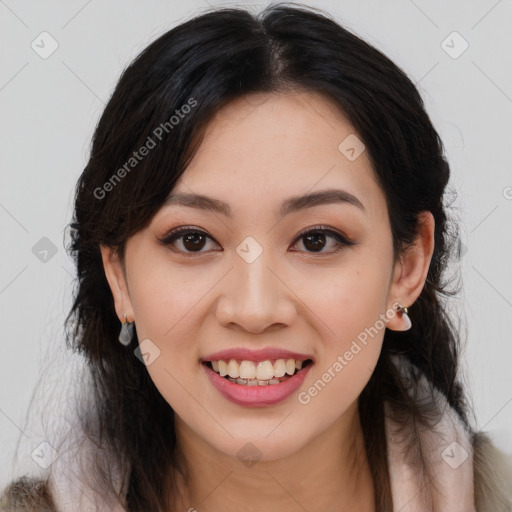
(251,281)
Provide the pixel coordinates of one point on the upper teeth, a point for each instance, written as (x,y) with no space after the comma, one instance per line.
(262,370)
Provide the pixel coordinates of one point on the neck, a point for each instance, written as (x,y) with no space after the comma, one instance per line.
(329,473)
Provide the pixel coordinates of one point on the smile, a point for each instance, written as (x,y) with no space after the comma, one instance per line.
(256,378)
(257,373)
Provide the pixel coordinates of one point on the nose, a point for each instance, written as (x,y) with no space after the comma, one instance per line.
(255,298)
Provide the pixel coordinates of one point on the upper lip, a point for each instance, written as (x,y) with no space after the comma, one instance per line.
(256,355)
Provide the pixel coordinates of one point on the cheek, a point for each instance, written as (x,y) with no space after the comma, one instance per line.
(167,301)
(346,363)
(165,305)
(164,297)
(349,302)
(351,308)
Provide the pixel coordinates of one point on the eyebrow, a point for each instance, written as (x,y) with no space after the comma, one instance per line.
(290,205)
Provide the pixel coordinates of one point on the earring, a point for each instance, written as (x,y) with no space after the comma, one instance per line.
(401,312)
(126,333)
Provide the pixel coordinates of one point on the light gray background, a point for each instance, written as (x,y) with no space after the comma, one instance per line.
(49,108)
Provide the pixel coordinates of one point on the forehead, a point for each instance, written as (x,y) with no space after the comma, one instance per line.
(272,146)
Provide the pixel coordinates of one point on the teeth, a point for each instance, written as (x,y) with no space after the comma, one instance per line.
(256,374)
(247,370)
(254,382)
(264,370)
(233,369)
(279,368)
(223,368)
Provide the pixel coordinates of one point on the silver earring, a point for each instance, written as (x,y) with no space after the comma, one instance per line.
(126,333)
(401,312)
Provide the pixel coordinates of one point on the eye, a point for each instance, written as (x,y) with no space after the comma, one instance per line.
(315,239)
(192,239)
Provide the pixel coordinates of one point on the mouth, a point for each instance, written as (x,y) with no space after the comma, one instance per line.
(261,383)
(269,372)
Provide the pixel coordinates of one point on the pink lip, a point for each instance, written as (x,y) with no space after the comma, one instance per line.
(256,396)
(255,355)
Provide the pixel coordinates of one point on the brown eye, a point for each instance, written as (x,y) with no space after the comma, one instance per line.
(315,240)
(192,240)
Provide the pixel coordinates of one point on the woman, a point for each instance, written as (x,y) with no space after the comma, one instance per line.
(260,238)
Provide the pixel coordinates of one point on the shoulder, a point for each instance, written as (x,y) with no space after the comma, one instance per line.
(492,475)
(27,494)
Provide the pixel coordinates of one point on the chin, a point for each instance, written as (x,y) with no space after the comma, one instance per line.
(258,445)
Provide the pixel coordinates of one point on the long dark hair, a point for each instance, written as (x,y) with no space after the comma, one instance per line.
(190,72)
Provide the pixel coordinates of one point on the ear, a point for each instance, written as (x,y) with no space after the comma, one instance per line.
(116,278)
(410,272)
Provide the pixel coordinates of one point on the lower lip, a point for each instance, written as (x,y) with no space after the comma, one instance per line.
(257,396)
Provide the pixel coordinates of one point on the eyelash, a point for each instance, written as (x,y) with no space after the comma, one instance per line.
(341,240)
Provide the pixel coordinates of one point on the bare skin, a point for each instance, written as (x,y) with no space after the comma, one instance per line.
(257,152)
